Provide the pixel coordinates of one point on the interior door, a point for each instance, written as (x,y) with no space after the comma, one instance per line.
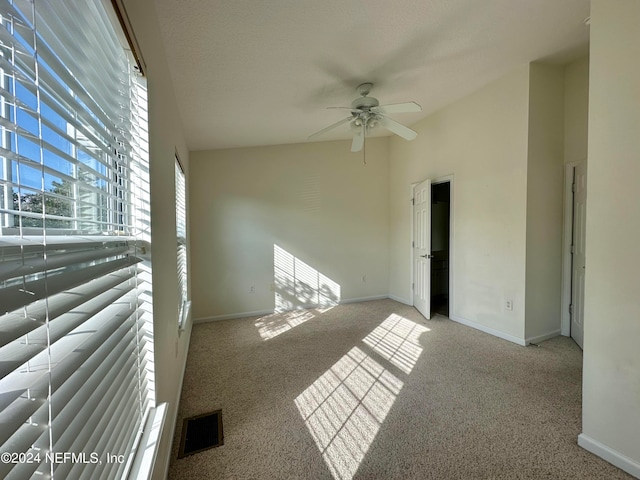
(578,252)
(422,248)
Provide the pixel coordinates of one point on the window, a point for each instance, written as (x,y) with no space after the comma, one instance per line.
(76,377)
(181,233)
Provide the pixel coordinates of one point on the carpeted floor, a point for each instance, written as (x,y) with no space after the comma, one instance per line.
(374,391)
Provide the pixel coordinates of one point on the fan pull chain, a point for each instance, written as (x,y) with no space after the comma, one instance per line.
(364,144)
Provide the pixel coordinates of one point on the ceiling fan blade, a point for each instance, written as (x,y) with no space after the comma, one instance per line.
(408,107)
(358,141)
(330,127)
(398,128)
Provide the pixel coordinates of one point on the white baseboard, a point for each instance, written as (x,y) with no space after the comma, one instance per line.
(259,313)
(489,330)
(542,338)
(612,456)
(230,316)
(401,300)
(363,299)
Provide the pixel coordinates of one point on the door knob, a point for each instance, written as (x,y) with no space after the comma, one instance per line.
(426,256)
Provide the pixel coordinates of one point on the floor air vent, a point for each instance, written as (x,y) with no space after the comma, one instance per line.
(200,433)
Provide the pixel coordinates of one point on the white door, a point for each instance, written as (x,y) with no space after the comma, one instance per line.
(578,252)
(422,248)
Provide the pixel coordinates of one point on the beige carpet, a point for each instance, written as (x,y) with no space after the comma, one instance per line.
(374,391)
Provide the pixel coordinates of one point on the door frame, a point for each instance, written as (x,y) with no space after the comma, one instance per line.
(435,181)
(567,234)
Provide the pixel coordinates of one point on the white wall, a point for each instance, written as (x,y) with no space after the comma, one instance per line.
(576,110)
(545,173)
(316,201)
(165,132)
(482,140)
(611,378)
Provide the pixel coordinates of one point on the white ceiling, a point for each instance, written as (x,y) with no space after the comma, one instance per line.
(258,72)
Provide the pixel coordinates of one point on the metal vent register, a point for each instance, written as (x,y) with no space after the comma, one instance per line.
(200,433)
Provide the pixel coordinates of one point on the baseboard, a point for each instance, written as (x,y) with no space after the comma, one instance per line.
(621,461)
(542,338)
(229,316)
(363,299)
(490,331)
(401,300)
(259,313)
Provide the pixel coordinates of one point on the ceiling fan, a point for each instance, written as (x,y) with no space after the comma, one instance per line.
(367,113)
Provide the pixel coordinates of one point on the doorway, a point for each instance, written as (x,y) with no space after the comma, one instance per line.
(432,216)
(440,247)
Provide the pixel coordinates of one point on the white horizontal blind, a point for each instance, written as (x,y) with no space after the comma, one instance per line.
(76,369)
(181,233)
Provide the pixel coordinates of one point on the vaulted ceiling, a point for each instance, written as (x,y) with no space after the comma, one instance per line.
(256,72)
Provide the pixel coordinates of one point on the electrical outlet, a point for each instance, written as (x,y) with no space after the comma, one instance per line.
(364,279)
(508,304)
(252,289)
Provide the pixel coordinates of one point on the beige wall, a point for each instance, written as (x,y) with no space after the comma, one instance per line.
(545,173)
(316,201)
(576,110)
(165,131)
(611,381)
(481,140)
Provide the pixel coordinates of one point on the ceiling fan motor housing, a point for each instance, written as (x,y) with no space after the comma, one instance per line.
(364,103)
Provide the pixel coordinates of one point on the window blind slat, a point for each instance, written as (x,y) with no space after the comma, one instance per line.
(113,440)
(7,41)
(14,419)
(110,400)
(18,353)
(103,325)
(58,93)
(58,258)
(14,297)
(104,362)
(73,418)
(50,83)
(27,434)
(113,404)
(67,43)
(66,356)
(108,358)
(95,117)
(11,99)
(62,102)
(123,445)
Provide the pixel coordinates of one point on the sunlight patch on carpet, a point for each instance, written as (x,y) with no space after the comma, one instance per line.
(273,325)
(397,340)
(345,407)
